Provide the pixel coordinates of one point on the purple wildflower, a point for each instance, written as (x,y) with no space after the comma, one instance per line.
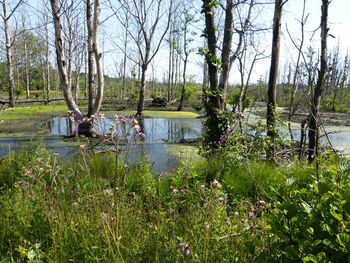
(185,248)
(184,191)
(239,116)
(223,138)
(201,187)
(170,211)
(229,130)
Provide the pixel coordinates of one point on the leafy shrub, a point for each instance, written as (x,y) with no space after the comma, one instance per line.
(310,221)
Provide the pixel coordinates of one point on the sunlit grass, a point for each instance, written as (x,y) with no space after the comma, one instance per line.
(33,111)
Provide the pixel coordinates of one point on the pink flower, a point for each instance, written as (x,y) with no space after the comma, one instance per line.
(185,248)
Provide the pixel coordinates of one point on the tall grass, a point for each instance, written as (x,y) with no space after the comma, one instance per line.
(88,210)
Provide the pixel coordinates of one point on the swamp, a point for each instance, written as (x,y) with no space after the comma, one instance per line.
(174,131)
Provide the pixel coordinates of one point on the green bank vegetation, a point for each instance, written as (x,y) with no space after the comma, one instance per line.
(89,210)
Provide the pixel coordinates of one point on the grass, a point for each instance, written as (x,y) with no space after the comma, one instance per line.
(33,112)
(89,210)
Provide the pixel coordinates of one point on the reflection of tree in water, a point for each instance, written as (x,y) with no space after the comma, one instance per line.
(142,125)
(155,128)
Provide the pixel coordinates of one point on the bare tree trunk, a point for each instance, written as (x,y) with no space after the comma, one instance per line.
(61,59)
(183,84)
(226,52)
(57,84)
(8,44)
(170,65)
(271,90)
(47,59)
(98,59)
(77,87)
(214,102)
(142,91)
(90,59)
(314,138)
(296,71)
(126,38)
(26,67)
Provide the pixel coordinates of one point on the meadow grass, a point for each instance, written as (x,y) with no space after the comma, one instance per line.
(89,210)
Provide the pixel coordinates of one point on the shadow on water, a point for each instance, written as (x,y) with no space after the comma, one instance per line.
(160,134)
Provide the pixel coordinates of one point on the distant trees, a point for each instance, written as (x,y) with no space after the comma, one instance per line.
(184,49)
(9,41)
(147,33)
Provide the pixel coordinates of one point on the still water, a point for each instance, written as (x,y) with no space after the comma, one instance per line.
(160,147)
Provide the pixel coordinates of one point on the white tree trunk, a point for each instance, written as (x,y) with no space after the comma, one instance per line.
(61,59)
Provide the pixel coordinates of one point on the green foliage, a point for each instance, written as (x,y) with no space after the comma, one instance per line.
(234,99)
(310,219)
(215,127)
(250,211)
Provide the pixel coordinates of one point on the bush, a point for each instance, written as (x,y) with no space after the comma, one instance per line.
(310,220)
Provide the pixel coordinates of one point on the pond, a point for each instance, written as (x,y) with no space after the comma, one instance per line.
(161,145)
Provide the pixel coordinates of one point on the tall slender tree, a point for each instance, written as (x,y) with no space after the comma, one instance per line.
(9,40)
(314,131)
(274,67)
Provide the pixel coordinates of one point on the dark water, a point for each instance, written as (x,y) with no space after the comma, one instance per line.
(160,133)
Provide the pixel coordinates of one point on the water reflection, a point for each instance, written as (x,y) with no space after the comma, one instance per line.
(155,129)
(159,133)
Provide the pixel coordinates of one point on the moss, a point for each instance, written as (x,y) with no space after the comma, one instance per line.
(184,152)
(33,112)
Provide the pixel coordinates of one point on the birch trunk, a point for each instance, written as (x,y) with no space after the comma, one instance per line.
(61,59)
(98,59)
(8,44)
(90,57)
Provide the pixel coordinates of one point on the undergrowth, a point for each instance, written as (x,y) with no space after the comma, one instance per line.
(251,211)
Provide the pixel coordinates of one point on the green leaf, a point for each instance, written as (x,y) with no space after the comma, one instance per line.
(292,252)
(310,258)
(306,207)
(343,239)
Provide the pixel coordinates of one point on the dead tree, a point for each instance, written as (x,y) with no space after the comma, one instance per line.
(146,17)
(295,85)
(314,133)
(187,21)
(9,40)
(271,90)
(56,6)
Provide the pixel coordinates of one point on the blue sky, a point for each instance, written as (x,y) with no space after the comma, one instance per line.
(339,21)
